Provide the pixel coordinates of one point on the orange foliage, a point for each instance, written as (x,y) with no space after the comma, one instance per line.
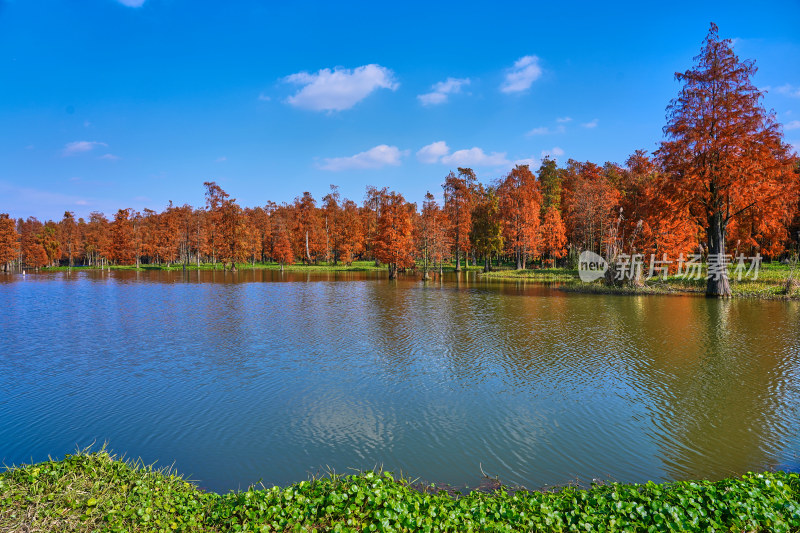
(520,204)
(727,165)
(393,243)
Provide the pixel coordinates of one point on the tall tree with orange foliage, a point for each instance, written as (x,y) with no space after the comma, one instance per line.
(458,199)
(69,237)
(49,239)
(121,230)
(434,231)
(643,206)
(228,226)
(350,232)
(30,239)
(282,249)
(520,205)
(553,234)
(96,239)
(374,199)
(589,201)
(393,243)
(9,237)
(724,154)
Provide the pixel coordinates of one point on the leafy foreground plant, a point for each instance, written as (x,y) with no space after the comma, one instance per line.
(97,492)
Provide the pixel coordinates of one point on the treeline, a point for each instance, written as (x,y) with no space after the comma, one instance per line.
(523,218)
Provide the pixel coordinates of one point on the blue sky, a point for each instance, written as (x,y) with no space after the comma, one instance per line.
(128,103)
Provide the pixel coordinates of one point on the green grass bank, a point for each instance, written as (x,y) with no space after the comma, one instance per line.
(97,492)
(774,281)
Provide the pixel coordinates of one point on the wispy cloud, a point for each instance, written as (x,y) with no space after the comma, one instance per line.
(475,157)
(519,78)
(79,147)
(339,89)
(132,3)
(220,159)
(110,157)
(439,152)
(590,125)
(553,153)
(544,130)
(532,162)
(793,125)
(564,119)
(28,201)
(377,157)
(788,90)
(263,97)
(442,90)
(433,152)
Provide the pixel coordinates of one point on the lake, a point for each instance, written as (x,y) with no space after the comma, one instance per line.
(262,376)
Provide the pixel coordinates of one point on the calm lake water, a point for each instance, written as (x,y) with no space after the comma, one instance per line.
(263,376)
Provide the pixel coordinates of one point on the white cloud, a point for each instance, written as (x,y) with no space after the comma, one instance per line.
(793,125)
(439,152)
(526,70)
(220,159)
(590,125)
(132,3)
(442,90)
(475,157)
(79,147)
(110,157)
(564,119)
(544,130)
(377,157)
(532,162)
(553,153)
(263,97)
(788,90)
(339,89)
(433,152)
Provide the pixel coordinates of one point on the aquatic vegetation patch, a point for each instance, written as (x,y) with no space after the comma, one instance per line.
(97,492)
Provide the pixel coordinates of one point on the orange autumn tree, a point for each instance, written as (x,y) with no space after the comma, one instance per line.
(350,232)
(520,204)
(553,235)
(121,230)
(69,237)
(33,252)
(724,155)
(394,239)
(8,240)
(458,197)
(282,249)
(589,201)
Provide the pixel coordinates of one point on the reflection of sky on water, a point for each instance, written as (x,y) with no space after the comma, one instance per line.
(271,376)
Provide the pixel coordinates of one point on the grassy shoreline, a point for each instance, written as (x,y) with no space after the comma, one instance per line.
(770,285)
(98,492)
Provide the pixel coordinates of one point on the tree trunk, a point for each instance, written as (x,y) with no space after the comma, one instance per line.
(458,260)
(392,271)
(717,285)
(486,263)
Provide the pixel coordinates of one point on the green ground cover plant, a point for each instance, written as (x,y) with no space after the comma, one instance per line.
(95,491)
